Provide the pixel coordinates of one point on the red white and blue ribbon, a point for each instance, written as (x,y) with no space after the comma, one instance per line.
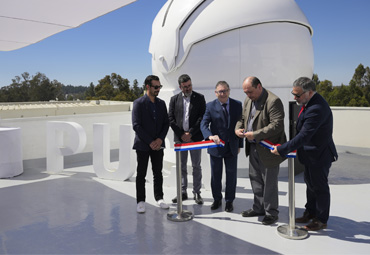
(269,145)
(198,145)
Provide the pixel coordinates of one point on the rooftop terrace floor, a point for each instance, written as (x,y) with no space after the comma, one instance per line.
(77,213)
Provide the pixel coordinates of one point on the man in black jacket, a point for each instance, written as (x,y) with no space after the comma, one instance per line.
(185,114)
(150,123)
(315,150)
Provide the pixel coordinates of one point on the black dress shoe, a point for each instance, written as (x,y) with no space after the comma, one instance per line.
(198,199)
(216,204)
(305,218)
(229,207)
(251,213)
(269,219)
(184,197)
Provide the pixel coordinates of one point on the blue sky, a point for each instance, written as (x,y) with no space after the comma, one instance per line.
(341,37)
(118,42)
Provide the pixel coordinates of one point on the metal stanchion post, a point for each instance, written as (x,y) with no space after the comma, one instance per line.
(179,215)
(291,231)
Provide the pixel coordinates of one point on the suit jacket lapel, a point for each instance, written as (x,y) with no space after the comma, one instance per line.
(180,111)
(248,110)
(219,110)
(192,101)
(260,107)
(231,112)
(149,107)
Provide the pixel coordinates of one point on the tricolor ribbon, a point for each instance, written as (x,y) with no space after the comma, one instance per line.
(269,145)
(198,145)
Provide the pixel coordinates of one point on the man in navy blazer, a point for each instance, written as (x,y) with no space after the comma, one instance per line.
(185,114)
(315,149)
(150,122)
(218,123)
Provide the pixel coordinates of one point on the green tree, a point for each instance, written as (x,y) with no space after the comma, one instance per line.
(356,96)
(17,91)
(325,88)
(118,82)
(360,102)
(358,76)
(114,81)
(366,77)
(114,87)
(315,79)
(105,91)
(74,92)
(25,88)
(42,89)
(366,83)
(20,86)
(105,88)
(4,94)
(90,92)
(136,90)
(339,96)
(357,93)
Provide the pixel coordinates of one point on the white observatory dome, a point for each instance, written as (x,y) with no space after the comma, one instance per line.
(214,40)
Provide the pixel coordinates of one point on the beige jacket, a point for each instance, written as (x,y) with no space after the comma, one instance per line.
(268,124)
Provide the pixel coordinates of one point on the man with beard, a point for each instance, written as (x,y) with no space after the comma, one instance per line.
(150,123)
(185,114)
(315,150)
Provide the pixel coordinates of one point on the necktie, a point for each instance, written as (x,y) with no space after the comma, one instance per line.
(302,108)
(251,117)
(226,114)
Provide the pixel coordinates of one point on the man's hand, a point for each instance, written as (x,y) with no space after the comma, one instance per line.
(215,139)
(249,136)
(186,137)
(275,151)
(240,133)
(156,144)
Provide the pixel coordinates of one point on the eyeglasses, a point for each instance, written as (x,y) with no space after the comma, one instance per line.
(187,87)
(298,96)
(222,91)
(157,86)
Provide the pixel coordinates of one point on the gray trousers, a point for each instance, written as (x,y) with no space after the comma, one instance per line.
(264,181)
(195,156)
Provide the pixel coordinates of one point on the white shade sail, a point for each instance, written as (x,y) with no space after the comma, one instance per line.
(24,22)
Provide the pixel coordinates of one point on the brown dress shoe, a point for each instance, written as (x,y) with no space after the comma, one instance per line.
(315,225)
(305,218)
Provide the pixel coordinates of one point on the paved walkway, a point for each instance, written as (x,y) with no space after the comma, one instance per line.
(77,213)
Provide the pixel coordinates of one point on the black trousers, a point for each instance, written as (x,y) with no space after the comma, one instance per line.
(318,191)
(156,158)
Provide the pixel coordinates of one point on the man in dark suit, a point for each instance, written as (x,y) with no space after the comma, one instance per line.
(315,150)
(262,119)
(185,114)
(150,122)
(218,123)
